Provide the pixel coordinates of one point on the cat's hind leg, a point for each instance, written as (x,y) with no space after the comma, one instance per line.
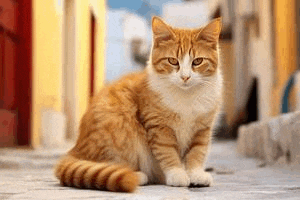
(142,177)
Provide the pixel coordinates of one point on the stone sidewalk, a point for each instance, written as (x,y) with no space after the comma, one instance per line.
(235,178)
(274,141)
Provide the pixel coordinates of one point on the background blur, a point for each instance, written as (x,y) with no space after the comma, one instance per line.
(55,54)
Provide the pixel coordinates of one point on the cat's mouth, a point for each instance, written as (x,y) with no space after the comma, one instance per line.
(186,86)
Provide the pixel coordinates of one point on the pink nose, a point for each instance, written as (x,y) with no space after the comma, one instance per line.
(185,78)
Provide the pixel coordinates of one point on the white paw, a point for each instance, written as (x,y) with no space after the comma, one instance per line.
(177,177)
(199,177)
(142,177)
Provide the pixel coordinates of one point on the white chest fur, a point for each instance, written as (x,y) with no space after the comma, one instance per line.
(188,104)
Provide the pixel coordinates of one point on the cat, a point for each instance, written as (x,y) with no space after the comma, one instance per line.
(154,126)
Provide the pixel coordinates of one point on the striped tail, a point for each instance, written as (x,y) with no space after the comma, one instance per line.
(104,176)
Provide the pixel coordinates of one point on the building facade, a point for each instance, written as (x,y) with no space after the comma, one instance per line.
(63,67)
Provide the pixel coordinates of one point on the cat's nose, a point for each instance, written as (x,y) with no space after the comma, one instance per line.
(185,78)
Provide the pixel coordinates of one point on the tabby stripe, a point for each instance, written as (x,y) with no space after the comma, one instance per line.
(96,155)
(149,127)
(81,145)
(88,150)
(166,145)
(170,162)
(70,173)
(64,175)
(151,119)
(115,178)
(158,61)
(104,175)
(78,175)
(162,156)
(89,177)
(167,160)
(61,167)
(195,144)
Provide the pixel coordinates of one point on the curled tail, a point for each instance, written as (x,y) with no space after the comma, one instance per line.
(87,174)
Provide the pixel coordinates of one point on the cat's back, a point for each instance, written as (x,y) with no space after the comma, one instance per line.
(115,103)
(122,91)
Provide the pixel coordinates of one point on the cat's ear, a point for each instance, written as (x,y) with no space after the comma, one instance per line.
(161,30)
(211,31)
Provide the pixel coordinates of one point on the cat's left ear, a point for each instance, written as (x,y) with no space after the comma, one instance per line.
(161,30)
(211,31)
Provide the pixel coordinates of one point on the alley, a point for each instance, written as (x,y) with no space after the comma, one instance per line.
(28,175)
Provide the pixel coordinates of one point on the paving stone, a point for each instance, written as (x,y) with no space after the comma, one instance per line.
(247,182)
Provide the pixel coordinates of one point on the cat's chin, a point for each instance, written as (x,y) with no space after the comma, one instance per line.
(185,86)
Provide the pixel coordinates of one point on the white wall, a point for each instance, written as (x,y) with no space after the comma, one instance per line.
(261,57)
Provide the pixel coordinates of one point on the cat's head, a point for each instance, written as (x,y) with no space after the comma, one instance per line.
(184,57)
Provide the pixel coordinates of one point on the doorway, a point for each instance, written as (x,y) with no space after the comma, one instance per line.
(69,70)
(92,55)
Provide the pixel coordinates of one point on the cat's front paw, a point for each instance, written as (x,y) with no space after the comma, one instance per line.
(200,178)
(177,177)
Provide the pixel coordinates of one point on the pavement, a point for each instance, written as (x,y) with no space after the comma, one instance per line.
(27,174)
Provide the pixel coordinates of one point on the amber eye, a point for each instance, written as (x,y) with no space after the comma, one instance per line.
(197,61)
(173,61)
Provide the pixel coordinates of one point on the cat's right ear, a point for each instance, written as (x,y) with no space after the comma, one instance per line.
(161,31)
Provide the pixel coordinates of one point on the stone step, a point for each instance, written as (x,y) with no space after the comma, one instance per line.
(276,140)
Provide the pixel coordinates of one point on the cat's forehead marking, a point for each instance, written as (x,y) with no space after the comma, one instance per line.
(185,43)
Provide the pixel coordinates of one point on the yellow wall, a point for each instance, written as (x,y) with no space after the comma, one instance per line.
(47,49)
(285,48)
(48,57)
(100,9)
(83,9)
(83,51)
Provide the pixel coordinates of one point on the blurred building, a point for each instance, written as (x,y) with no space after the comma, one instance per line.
(53,54)
(264,38)
(128,35)
(265,42)
(52,61)
(258,53)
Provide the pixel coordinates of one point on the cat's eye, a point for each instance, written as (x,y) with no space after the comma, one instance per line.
(173,61)
(197,61)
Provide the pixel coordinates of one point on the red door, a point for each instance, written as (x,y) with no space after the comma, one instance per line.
(15,72)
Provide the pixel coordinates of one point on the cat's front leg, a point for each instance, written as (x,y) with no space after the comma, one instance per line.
(164,147)
(195,159)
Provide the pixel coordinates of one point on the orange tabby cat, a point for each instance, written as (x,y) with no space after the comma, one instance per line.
(153,126)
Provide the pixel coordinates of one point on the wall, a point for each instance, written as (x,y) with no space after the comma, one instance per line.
(227,67)
(285,47)
(261,61)
(48,57)
(83,37)
(47,62)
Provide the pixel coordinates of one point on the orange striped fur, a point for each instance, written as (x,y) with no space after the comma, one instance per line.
(152,126)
